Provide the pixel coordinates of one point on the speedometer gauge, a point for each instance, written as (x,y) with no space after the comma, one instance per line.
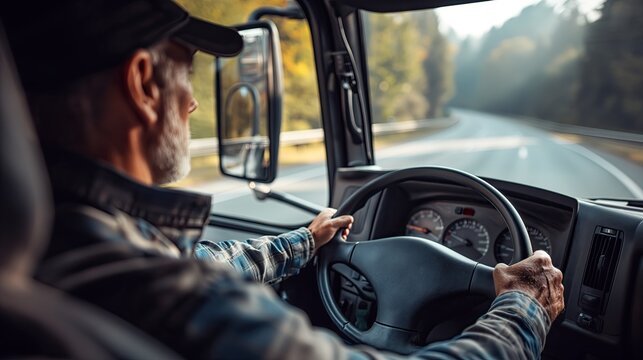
(426,223)
(504,248)
(468,237)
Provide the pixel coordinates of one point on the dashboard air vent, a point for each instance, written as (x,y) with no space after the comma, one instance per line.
(602,260)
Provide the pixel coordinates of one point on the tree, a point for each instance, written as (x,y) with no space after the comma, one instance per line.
(301,97)
(410,66)
(394,63)
(528,66)
(437,63)
(612,71)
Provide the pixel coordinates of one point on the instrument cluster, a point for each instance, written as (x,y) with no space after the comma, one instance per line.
(477,232)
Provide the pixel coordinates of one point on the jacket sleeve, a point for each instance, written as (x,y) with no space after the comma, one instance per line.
(515,327)
(267,259)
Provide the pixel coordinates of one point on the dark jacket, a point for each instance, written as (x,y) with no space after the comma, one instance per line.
(110,256)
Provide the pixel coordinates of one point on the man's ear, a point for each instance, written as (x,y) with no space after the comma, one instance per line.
(141,87)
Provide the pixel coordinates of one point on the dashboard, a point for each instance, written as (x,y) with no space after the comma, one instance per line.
(473,230)
(465,222)
(598,245)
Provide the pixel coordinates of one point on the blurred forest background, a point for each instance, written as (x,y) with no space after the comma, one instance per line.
(548,62)
(553,64)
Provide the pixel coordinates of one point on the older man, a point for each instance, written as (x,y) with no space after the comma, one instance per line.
(108,83)
(114,118)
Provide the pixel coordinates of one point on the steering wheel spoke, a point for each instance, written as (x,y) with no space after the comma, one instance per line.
(437,273)
(482,281)
(337,251)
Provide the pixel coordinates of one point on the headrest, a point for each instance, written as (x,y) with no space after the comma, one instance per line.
(25,205)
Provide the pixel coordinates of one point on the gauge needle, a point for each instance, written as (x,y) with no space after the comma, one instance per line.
(418,229)
(467,242)
(423,230)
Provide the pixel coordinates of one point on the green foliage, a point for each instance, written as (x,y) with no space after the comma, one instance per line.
(202,120)
(437,64)
(301,97)
(409,63)
(546,63)
(410,74)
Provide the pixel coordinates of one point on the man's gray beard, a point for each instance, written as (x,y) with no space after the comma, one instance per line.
(170,157)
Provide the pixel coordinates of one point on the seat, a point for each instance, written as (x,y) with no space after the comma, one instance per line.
(37,321)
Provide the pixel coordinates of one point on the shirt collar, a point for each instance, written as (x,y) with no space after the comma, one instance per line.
(79,179)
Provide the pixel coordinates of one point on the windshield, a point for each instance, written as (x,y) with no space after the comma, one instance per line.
(545,93)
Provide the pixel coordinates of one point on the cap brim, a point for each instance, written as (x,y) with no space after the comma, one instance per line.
(211,38)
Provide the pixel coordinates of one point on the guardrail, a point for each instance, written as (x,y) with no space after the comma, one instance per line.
(586,131)
(210,146)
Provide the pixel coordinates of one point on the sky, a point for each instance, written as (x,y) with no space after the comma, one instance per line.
(476,19)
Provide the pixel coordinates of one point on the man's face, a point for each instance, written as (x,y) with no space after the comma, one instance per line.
(169,153)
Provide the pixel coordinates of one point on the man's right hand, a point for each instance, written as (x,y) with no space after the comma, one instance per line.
(535,276)
(324,227)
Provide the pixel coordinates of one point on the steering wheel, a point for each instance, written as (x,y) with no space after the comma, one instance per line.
(410,275)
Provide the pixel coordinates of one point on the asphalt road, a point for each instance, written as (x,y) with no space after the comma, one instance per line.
(483,144)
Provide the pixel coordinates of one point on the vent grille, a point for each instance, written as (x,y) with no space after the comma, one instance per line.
(602,261)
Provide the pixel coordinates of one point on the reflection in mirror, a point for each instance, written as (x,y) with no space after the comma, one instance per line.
(243,87)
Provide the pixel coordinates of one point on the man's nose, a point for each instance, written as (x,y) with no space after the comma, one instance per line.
(193,105)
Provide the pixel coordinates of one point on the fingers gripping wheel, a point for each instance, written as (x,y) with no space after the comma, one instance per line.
(409,274)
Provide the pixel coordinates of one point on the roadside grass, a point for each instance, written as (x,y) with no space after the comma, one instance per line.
(626,150)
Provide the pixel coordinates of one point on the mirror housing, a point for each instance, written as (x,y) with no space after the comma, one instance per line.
(249,91)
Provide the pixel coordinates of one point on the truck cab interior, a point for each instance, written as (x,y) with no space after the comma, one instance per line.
(388,289)
(417,266)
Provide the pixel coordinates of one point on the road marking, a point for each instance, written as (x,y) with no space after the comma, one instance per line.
(629,184)
(459,145)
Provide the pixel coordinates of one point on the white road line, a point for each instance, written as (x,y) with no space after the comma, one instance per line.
(629,184)
(458,145)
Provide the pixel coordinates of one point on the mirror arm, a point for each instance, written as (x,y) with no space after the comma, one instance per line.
(263,192)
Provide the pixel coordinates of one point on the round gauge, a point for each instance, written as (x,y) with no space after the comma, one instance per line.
(425,223)
(468,237)
(504,248)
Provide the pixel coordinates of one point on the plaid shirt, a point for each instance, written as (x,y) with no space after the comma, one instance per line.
(267,259)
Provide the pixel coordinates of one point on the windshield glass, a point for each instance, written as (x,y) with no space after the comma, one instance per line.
(546,93)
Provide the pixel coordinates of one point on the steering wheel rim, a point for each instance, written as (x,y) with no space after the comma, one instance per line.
(387,333)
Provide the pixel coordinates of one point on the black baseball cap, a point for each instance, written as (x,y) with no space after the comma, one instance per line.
(58,42)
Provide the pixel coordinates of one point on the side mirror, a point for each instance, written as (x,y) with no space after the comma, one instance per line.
(249,96)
